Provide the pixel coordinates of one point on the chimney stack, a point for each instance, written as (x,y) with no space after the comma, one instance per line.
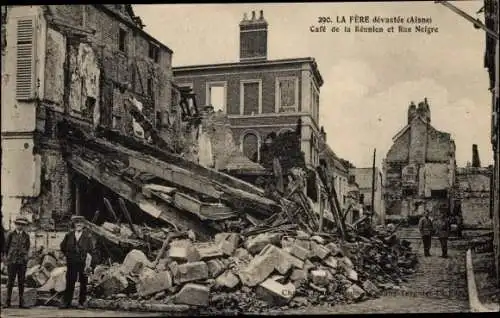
(476,163)
(253,38)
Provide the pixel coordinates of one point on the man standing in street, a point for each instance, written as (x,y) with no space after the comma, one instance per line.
(77,246)
(17,246)
(425,227)
(443,232)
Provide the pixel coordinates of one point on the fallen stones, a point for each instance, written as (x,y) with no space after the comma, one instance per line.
(134,262)
(37,275)
(215,267)
(299,251)
(275,293)
(257,243)
(354,292)
(298,275)
(227,242)
(261,266)
(189,272)
(331,262)
(184,252)
(319,250)
(113,282)
(151,282)
(208,251)
(193,294)
(227,280)
(319,277)
(371,288)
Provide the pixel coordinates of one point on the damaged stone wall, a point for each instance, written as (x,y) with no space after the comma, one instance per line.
(473,191)
(82,79)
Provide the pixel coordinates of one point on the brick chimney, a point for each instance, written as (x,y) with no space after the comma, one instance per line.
(476,163)
(253,38)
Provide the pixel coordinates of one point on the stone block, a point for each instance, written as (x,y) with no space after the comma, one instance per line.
(215,267)
(151,282)
(227,242)
(371,288)
(184,253)
(319,251)
(113,282)
(299,251)
(306,244)
(275,293)
(257,243)
(261,266)
(243,255)
(29,296)
(346,262)
(134,262)
(319,277)
(335,250)
(352,274)
(298,275)
(287,242)
(37,276)
(288,261)
(308,265)
(193,294)
(227,280)
(301,235)
(190,272)
(208,250)
(354,292)
(56,281)
(125,231)
(331,262)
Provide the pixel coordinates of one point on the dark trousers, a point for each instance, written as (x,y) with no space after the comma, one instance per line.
(14,270)
(74,271)
(427,239)
(444,246)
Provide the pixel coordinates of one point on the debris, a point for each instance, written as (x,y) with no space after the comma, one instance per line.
(227,280)
(193,294)
(275,293)
(151,282)
(190,272)
(354,292)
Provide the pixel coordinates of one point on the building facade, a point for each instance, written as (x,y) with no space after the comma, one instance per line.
(363,178)
(260,96)
(419,168)
(491,63)
(69,61)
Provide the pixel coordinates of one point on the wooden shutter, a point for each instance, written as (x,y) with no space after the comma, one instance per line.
(25,58)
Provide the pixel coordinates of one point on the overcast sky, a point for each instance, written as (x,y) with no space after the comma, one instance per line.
(370,79)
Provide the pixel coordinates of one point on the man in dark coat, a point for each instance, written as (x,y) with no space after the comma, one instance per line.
(17,246)
(426,229)
(78,247)
(443,232)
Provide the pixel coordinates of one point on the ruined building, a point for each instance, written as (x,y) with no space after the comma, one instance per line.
(263,97)
(419,168)
(71,61)
(491,63)
(473,193)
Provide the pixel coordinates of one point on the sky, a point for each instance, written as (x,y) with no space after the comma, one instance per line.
(369,78)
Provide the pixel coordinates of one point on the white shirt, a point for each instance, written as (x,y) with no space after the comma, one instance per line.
(77,235)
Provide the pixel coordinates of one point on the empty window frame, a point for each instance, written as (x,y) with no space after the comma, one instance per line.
(216,95)
(122,40)
(250,97)
(287,94)
(250,145)
(154,52)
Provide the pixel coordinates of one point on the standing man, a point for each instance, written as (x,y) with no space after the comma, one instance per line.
(443,232)
(425,227)
(17,246)
(77,246)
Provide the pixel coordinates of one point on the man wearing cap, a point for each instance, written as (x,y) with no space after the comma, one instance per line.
(17,246)
(77,246)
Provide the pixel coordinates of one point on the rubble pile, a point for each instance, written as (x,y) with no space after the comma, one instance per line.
(256,272)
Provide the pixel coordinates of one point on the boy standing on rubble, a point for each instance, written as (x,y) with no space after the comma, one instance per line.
(17,247)
(77,246)
(426,228)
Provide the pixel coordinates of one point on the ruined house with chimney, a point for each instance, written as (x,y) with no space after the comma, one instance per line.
(419,168)
(263,98)
(472,195)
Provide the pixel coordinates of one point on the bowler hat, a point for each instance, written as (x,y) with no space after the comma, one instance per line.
(21,220)
(77,219)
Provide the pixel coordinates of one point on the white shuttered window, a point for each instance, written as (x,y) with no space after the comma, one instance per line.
(25,59)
